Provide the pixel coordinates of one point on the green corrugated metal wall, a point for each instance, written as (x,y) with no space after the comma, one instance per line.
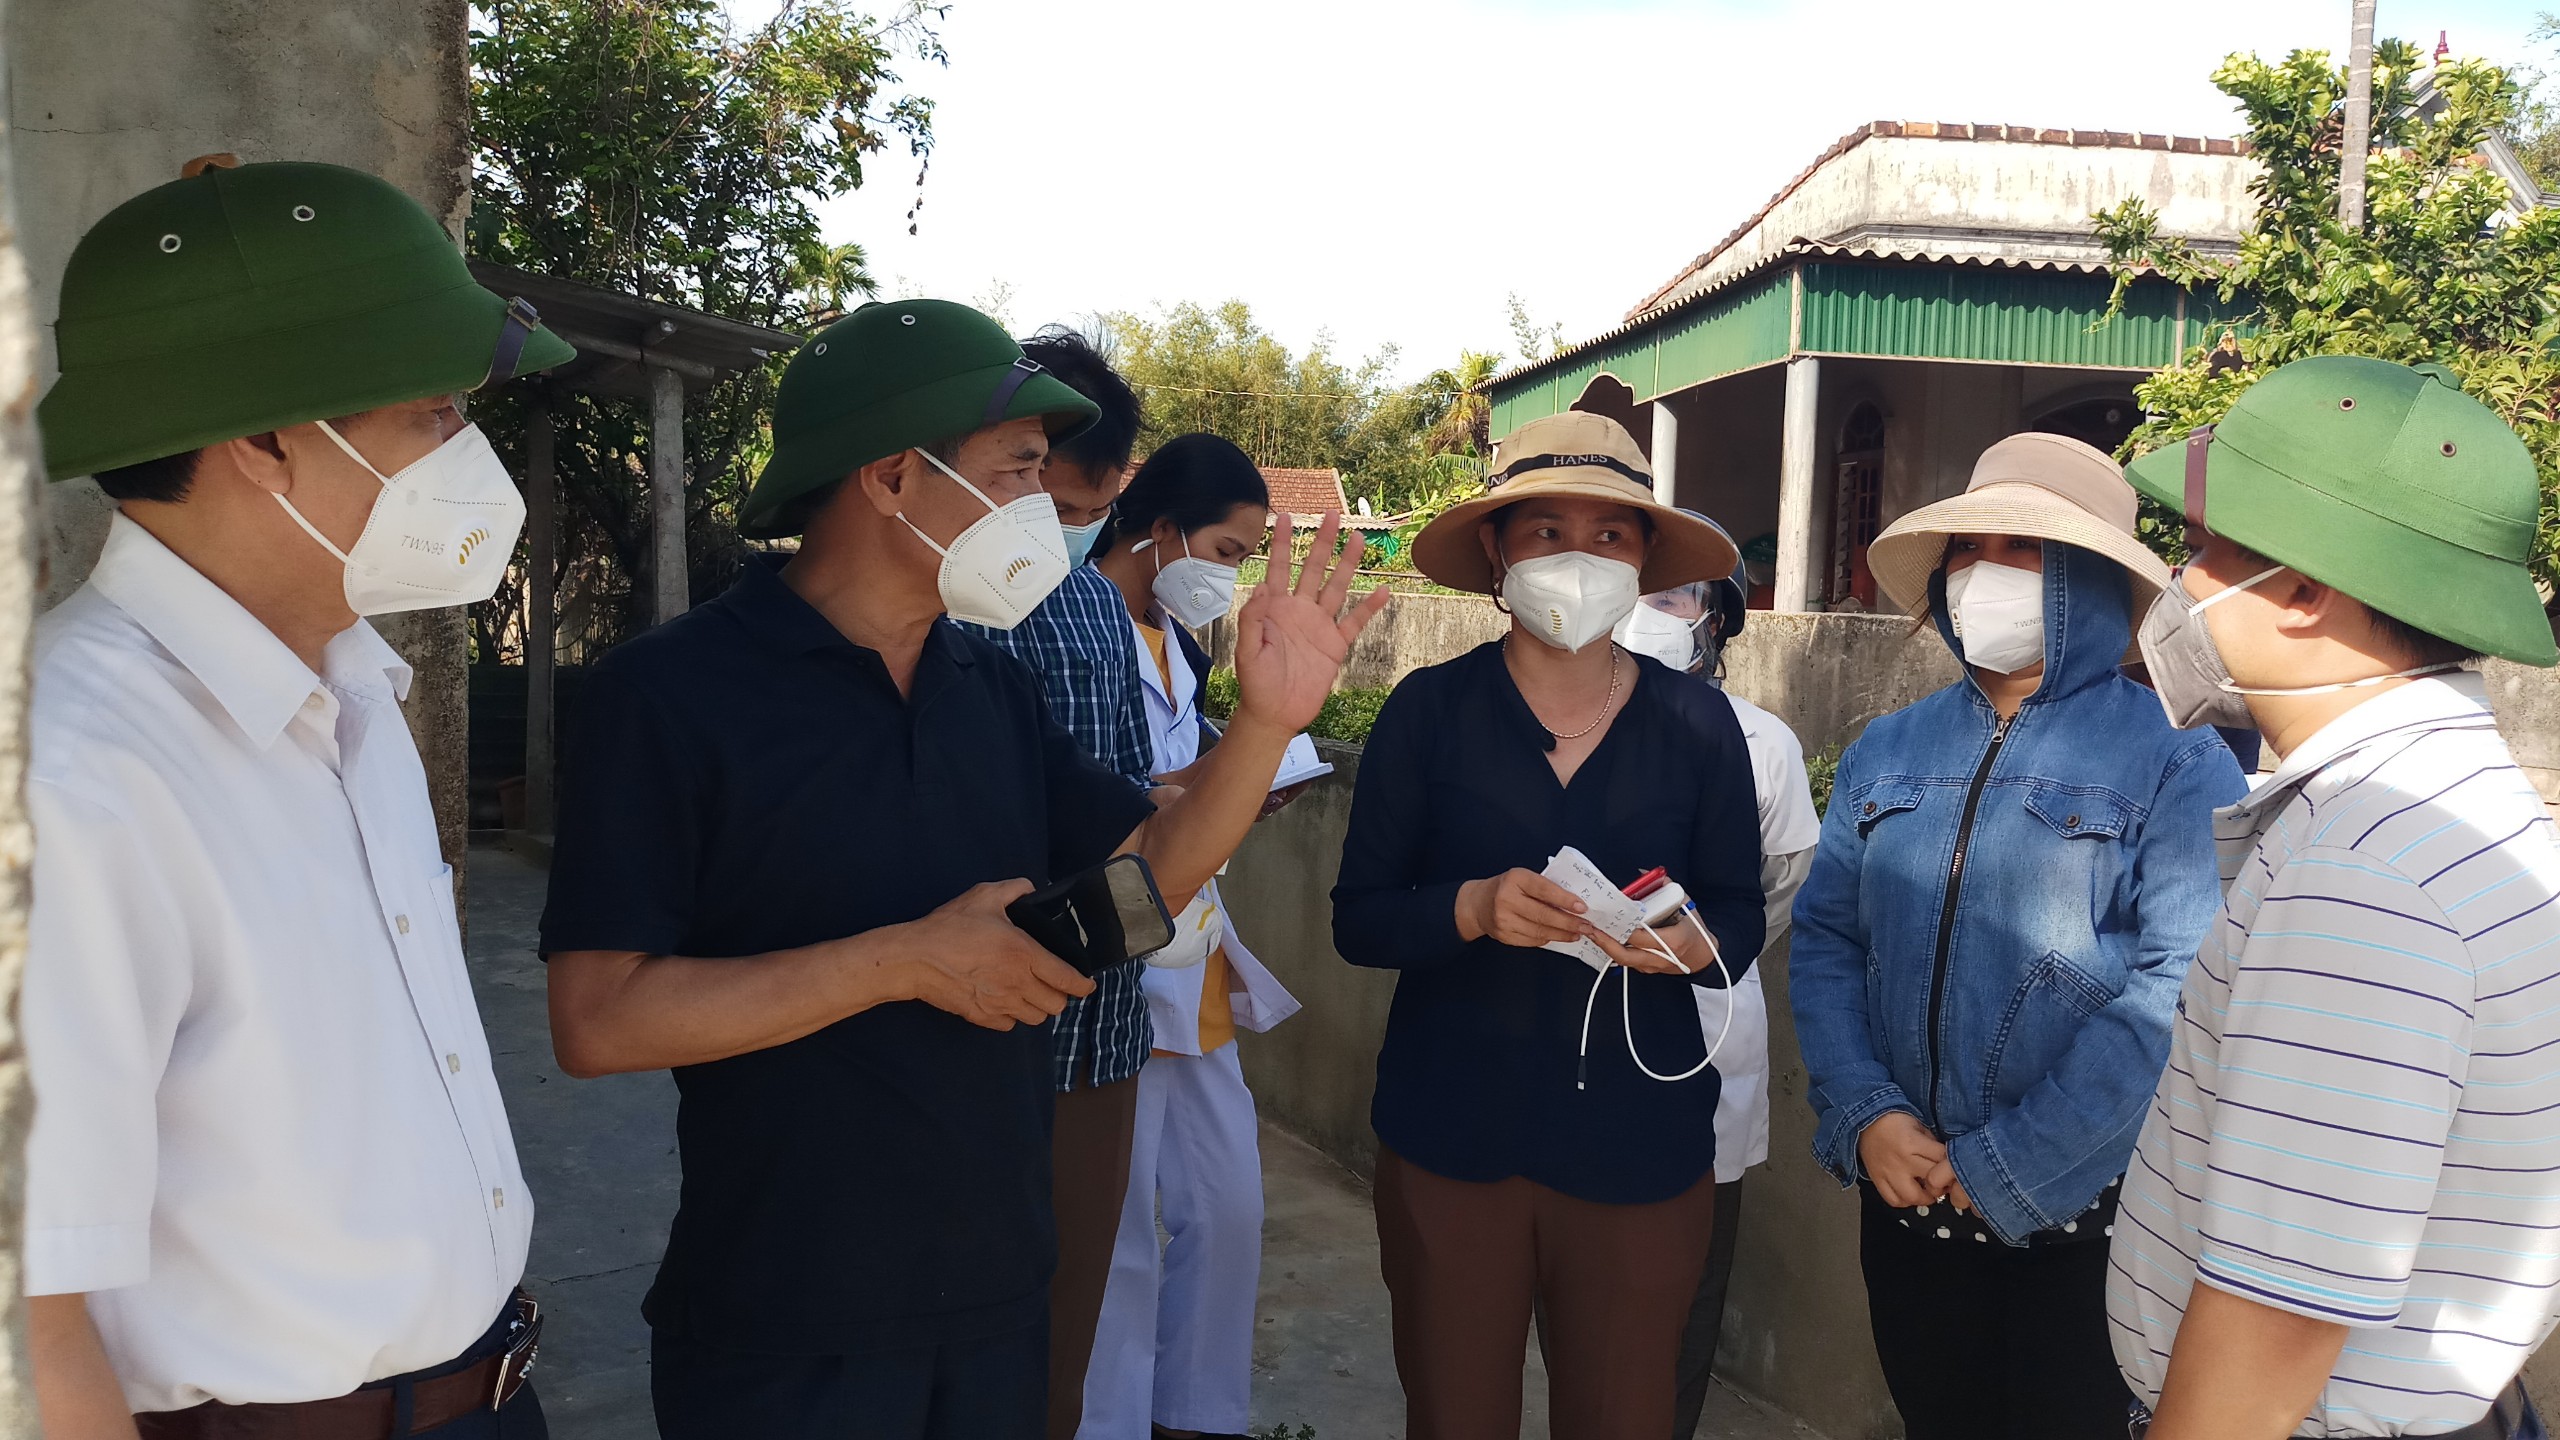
(1916,312)
(1931,313)
(1746,329)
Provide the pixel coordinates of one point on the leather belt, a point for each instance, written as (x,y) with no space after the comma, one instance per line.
(373,1412)
(2505,1420)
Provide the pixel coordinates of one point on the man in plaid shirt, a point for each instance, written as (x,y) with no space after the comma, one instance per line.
(1079,642)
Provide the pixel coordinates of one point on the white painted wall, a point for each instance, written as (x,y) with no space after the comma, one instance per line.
(2010,198)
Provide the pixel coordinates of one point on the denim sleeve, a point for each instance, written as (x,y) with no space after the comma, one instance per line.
(1384,915)
(2036,1165)
(1846,1083)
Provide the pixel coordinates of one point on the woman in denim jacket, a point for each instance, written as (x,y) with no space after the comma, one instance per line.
(2013,876)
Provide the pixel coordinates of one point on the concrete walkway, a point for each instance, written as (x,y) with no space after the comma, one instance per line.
(601,1158)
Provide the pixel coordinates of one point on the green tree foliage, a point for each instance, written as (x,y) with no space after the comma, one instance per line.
(1217,369)
(650,147)
(2535,130)
(2439,271)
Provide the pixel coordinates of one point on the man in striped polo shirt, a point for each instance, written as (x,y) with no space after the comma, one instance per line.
(2343,1218)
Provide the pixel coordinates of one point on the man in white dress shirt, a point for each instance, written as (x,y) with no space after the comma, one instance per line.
(271,1188)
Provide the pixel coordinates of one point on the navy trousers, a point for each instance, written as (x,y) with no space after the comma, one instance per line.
(991,1389)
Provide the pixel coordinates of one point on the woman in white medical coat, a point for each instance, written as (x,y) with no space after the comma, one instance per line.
(1175,1347)
(1687,629)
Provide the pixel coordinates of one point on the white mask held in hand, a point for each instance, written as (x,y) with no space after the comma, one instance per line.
(440,533)
(1658,633)
(1191,590)
(1999,615)
(1571,598)
(1004,565)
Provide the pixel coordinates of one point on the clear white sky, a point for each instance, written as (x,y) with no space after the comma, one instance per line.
(1388,170)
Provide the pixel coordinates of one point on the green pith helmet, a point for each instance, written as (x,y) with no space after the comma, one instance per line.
(2384,481)
(891,376)
(240,300)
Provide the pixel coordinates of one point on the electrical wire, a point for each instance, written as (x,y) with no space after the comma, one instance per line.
(1626,1003)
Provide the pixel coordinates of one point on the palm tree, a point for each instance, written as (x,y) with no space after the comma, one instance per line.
(1465,426)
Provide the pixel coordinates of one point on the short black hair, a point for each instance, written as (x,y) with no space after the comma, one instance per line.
(1193,480)
(166,479)
(1108,442)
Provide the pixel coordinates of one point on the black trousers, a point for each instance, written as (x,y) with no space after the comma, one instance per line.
(1699,1337)
(1983,1341)
(991,1389)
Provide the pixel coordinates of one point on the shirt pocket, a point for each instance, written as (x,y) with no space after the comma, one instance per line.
(2078,838)
(1878,801)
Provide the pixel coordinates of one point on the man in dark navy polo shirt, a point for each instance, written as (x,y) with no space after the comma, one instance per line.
(793,820)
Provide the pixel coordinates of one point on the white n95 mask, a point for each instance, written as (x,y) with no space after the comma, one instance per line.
(1660,634)
(1999,615)
(1192,590)
(1003,565)
(441,532)
(1572,597)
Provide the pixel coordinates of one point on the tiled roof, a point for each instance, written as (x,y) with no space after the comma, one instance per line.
(1305,495)
(1941,130)
(1304,492)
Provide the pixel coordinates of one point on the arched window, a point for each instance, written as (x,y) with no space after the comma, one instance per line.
(1857,506)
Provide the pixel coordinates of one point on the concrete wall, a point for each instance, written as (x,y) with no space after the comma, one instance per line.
(1966,196)
(2528,704)
(18,482)
(108,97)
(1797,1332)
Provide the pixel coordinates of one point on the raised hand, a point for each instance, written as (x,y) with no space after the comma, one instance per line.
(1293,635)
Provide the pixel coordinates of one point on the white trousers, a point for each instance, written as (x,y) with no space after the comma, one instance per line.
(1176,1341)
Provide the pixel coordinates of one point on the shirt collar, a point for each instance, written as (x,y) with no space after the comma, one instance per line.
(771,609)
(253,675)
(2459,700)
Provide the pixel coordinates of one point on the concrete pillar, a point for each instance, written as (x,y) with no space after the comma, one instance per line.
(20,542)
(1666,452)
(541,623)
(1796,446)
(666,491)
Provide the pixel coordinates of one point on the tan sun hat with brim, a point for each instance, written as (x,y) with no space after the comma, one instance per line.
(2049,486)
(1586,457)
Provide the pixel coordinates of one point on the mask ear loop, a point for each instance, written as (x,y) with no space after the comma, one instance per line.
(1626,1005)
(312,530)
(957,478)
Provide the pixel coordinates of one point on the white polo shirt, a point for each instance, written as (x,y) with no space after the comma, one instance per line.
(2360,1119)
(268,1144)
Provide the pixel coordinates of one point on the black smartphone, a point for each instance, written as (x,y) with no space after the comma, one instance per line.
(1108,915)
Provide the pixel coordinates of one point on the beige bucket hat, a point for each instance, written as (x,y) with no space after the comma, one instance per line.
(1590,457)
(2050,486)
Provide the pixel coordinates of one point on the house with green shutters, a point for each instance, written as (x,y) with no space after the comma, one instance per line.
(1918,292)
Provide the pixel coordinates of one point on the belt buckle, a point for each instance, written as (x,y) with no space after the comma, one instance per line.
(516,1364)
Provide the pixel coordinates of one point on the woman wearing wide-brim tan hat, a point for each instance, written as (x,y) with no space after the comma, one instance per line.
(1545,1144)
(1987,953)
(1571,455)
(2050,487)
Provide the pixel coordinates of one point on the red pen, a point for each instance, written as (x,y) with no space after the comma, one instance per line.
(1646,883)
